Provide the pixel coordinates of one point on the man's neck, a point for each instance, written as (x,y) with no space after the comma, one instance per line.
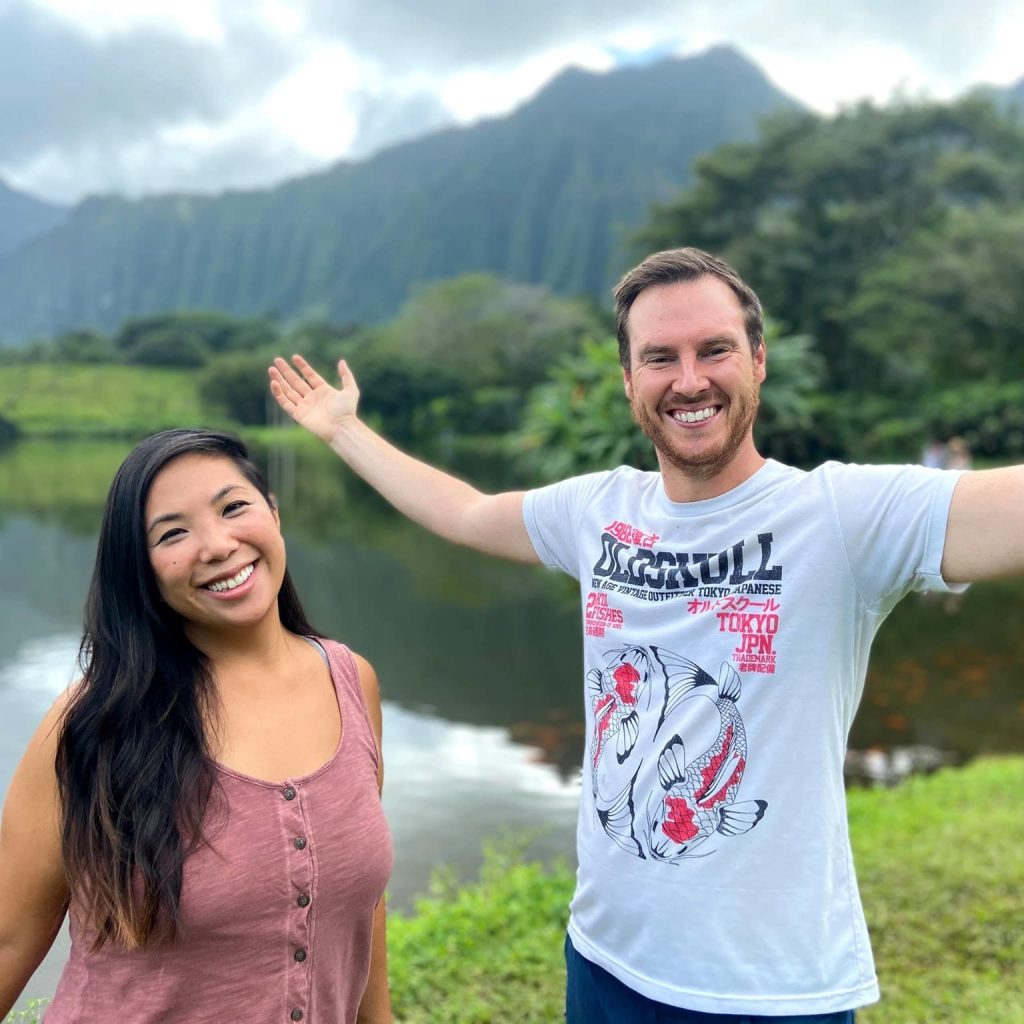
(683,486)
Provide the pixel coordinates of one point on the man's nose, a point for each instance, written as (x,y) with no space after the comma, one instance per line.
(690,378)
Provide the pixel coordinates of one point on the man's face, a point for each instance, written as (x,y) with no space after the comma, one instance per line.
(693,382)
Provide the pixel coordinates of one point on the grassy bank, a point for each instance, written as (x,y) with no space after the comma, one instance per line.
(66,400)
(941,866)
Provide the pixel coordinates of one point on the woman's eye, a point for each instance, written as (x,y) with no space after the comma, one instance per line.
(235,506)
(170,534)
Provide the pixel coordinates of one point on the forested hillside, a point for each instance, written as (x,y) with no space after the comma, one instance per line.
(548,195)
(23,217)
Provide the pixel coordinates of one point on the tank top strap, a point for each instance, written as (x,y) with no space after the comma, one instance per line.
(349,690)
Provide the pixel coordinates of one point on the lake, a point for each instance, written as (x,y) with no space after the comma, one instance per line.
(479,661)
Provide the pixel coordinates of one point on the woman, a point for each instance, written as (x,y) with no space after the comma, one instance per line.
(206,799)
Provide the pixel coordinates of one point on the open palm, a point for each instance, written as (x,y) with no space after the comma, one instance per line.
(310,400)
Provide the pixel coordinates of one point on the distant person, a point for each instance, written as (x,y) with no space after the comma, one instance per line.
(934,455)
(205,802)
(958,454)
(728,603)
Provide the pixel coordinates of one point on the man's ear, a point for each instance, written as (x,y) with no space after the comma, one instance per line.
(761,361)
(627,383)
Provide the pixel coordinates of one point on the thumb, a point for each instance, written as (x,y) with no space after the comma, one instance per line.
(348,381)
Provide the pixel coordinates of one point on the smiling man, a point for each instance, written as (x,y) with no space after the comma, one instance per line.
(729,603)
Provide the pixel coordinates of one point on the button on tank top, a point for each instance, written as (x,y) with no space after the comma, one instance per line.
(277,904)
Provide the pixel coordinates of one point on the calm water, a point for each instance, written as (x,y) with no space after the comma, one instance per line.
(478,660)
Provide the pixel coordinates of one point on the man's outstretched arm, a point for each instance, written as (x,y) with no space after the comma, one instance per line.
(451,508)
(985,531)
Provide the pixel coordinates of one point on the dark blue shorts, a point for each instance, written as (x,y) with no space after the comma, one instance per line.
(593,996)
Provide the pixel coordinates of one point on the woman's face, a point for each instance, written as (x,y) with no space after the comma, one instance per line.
(214,543)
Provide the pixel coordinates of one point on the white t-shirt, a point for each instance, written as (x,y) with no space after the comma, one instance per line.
(725,649)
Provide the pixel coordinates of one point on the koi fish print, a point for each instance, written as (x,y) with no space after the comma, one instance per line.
(646,693)
(617,694)
(699,797)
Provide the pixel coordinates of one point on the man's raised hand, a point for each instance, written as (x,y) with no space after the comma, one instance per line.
(310,400)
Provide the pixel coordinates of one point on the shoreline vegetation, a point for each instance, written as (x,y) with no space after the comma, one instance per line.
(940,861)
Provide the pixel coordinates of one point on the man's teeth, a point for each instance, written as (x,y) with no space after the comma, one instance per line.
(686,416)
(235,581)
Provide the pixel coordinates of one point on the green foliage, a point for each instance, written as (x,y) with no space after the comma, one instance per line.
(236,386)
(816,206)
(83,347)
(487,953)
(30,1013)
(948,305)
(579,420)
(484,331)
(941,870)
(461,355)
(8,431)
(189,338)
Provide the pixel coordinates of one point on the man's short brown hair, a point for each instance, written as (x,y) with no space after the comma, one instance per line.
(672,266)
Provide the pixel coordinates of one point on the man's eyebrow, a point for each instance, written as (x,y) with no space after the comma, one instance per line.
(655,350)
(168,517)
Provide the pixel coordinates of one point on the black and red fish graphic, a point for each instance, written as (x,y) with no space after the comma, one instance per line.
(700,794)
(694,796)
(618,695)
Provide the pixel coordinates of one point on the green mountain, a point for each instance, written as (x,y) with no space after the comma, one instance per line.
(548,194)
(23,217)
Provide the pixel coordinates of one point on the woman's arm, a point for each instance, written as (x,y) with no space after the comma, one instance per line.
(375,1007)
(33,888)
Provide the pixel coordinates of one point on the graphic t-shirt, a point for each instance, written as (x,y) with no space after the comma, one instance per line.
(725,648)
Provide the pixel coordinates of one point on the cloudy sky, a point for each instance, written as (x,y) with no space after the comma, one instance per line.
(137,96)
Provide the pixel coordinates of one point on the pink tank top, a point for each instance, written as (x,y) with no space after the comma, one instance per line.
(277,906)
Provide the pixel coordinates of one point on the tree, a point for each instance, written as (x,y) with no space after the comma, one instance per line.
(815,205)
(948,306)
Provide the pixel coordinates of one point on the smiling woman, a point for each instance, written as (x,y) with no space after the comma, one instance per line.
(204,803)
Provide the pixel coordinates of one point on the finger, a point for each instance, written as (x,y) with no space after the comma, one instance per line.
(307,371)
(295,387)
(277,390)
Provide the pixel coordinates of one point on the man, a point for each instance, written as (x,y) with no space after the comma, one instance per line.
(729,605)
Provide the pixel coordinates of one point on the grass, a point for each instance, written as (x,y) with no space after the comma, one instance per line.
(941,868)
(105,400)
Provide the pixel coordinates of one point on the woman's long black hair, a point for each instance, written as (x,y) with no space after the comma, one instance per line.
(133,768)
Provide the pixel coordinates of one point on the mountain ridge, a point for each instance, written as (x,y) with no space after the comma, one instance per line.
(547,194)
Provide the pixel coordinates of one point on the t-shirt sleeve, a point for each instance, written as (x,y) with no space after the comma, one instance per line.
(552,518)
(893,524)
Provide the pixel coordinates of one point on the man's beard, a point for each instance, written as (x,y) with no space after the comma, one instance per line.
(708,462)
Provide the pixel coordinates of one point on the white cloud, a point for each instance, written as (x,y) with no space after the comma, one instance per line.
(142,95)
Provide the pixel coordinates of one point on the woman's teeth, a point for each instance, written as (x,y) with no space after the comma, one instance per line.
(235,581)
